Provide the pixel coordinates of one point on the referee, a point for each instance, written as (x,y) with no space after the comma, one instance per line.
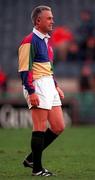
(40,88)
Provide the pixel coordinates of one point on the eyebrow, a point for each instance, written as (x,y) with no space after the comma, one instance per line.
(51,16)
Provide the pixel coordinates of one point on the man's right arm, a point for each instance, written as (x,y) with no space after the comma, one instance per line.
(25,66)
(26,56)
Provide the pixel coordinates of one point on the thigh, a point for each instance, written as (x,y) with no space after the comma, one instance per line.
(56,120)
(39,119)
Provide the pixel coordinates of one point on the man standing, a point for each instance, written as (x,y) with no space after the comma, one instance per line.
(40,88)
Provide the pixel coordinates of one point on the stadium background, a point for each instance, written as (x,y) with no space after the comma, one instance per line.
(74,67)
(72,155)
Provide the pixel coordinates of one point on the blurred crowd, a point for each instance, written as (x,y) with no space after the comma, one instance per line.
(81,46)
(3,82)
(78,47)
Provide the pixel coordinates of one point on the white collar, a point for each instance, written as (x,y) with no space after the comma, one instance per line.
(39,34)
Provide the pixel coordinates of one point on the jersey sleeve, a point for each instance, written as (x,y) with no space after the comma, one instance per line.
(26,55)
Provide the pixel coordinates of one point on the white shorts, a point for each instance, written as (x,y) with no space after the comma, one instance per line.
(46,90)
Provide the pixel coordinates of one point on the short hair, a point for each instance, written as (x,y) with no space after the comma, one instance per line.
(37,11)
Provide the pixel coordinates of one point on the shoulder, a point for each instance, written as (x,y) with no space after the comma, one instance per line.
(30,38)
(27,39)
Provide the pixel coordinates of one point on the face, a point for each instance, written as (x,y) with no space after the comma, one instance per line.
(45,21)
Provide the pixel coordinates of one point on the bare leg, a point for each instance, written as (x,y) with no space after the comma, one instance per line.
(39,118)
(56,120)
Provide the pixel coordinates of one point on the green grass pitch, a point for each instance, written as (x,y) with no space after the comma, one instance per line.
(71,156)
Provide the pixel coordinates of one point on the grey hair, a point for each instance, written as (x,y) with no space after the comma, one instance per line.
(37,11)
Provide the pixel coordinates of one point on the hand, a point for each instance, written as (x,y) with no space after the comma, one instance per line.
(34,99)
(60,92)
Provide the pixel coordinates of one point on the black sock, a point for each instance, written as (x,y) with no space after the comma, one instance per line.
(37,144)
(29,157)
(49,137)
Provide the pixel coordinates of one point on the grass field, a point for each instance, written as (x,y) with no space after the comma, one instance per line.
(71,156)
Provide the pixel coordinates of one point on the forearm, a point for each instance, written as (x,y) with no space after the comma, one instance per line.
(27,81)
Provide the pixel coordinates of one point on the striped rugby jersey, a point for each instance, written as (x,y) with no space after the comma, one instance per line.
(35,59)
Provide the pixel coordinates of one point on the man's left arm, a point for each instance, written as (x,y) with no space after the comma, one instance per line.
(60,92)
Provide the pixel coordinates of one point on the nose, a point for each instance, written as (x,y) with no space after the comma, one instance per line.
(52,21)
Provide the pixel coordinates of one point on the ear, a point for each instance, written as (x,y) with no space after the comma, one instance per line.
(38,20)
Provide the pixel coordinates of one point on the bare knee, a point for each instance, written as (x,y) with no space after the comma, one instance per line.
(58,129)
